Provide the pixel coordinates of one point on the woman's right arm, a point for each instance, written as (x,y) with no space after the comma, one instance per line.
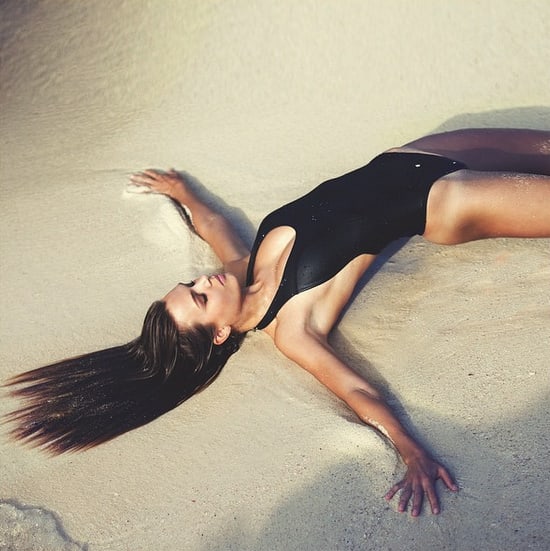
(210,225)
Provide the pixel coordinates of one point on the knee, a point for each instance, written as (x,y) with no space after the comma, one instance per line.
(453,234)
(449,216)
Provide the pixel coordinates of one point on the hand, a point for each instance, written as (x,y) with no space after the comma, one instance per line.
(419,480)
(166,183)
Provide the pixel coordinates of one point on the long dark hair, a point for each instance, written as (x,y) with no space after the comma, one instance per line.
(83,401)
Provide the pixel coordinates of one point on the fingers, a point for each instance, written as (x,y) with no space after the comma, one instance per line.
(447,479)
(416,490)
(404,499)
(419,481)
(152,176)
(417,495)
(408,491)
(393,490)
(434,501)
(145,176)
(151,180)
(154,181)
(142,178)
(418,498)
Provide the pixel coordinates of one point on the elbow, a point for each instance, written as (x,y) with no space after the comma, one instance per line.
(366,392)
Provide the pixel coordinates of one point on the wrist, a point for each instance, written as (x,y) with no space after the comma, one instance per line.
(409,450)
(177,193)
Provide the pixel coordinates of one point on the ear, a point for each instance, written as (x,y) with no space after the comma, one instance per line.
(222,334)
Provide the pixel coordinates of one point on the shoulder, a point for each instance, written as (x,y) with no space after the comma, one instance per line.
(312,352)
(300,343)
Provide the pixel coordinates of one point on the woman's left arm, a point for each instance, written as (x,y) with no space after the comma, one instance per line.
(314,354)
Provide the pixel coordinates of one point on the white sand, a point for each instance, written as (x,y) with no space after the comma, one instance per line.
(260,100)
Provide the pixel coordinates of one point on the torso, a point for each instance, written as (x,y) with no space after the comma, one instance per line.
(320,277)
(316,309)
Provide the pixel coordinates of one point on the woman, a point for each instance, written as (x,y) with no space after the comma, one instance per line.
(302,270)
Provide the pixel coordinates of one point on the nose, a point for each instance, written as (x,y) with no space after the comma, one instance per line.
(203,281)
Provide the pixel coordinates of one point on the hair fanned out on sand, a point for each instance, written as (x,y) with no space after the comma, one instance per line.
(78,403)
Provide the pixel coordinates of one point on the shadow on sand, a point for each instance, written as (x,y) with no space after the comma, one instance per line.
(497,509)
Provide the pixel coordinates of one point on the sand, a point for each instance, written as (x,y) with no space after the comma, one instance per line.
(259,101)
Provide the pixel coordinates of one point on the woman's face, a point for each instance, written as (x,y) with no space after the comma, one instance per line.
(208,300)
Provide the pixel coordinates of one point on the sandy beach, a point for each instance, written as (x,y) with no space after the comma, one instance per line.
(260,100)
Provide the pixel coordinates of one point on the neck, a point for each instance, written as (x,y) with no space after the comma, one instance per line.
(255,304)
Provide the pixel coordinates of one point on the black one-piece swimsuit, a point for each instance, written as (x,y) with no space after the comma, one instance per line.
(357,213)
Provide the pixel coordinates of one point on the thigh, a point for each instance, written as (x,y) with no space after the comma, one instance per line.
(469,205)
(494,149)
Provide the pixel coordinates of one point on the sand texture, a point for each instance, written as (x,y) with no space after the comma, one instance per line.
(259,101)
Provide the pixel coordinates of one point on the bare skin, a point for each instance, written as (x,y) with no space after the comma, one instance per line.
(463,206)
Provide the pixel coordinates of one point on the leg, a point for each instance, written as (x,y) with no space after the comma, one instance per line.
(495,149)
(469,205)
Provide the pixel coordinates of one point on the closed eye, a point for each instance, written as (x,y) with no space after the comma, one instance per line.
(197,297)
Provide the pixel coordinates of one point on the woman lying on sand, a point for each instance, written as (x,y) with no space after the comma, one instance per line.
(304,265)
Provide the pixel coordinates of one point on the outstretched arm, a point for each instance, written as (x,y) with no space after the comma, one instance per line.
(314,354)
(210,225)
